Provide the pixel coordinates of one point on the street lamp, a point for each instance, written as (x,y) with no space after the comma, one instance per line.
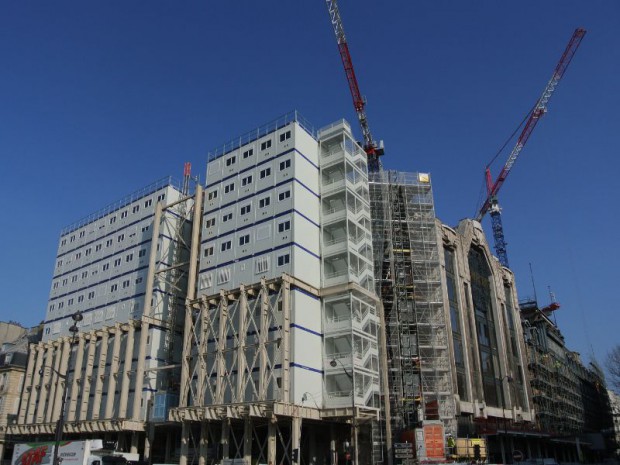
(334,363)
(77,317)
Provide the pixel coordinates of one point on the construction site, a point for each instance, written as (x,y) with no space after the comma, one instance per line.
(305,305)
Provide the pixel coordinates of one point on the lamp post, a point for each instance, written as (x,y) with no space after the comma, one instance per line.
(334,364)
(77,317)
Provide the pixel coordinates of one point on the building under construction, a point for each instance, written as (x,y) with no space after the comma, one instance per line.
(571,402)
(454,344)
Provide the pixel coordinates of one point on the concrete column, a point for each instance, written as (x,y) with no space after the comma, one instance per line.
(247,440)
(243,316)
(103,355)
(296,434)
(332,445)
(113,373)
(226,438)
(184,443)
(204,443)
(148,441)
(140,372)
(56,383)
(36,384)
(271,442)
(88,375)
(45,399)
(27,391)
(129,342)
(285,343)
(77,375)
(133,449)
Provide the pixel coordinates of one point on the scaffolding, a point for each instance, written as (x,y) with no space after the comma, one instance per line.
(408,280)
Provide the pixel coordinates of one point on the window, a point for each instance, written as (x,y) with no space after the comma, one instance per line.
(212,195)
(231,161)
(247,180)
(223,275)
(206,280)
(285,164)
(55,286)
(262,203)
(91,295)
(113,220)
(265,145)
(84,274)
(64,282)
(248,153)
(135,209)
(59,264)
(284,226)
(124,214)
(78,255)
(108,243)
(264,173)
(97,247)
(80,298)
(226,246)
(208,251)
(120,238)
(60,305)
(82,233)
(117,262)
(246,209)
(161,197)
(106,266)
(245,239)
(148,203)
(141,253)
(88,251)
(74,278)
(139,280)
(70,302)
(210,222)
(284,195)
(129,257)
(72,239)
(52,307)
(125,284)
(261,264)
(227,217)
(229,188)
(284,259)
(113,287)
(145,228)
(285,135)
(63,242)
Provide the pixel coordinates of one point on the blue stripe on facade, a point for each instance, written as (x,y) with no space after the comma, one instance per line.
(304,367)
(303,291)
(303,328)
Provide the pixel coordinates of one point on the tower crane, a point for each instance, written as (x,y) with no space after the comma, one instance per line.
(491,204)
(373,149)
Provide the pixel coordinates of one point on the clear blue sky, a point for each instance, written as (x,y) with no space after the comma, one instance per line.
(100,98)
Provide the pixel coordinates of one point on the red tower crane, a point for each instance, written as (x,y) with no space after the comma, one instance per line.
(491,204)
(373,149)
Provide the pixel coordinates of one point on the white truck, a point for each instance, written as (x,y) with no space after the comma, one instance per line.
(88,452)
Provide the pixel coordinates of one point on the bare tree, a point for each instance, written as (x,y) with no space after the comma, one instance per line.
(613,366)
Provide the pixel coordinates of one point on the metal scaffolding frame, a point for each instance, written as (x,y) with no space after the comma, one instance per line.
(408,280)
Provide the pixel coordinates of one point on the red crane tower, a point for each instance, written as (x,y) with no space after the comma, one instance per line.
(491,204)
(373,149)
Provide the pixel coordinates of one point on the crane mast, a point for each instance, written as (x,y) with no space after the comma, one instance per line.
(491,204)
(372,149)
